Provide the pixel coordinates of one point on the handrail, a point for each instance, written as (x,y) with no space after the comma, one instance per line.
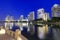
(17,34)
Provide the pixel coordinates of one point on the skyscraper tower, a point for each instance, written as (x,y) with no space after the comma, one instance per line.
(56,17)
(40,13)
(11,24)
(30,24)
(56,10)
(8,24)
(21,17)
(21,24)
(42,30)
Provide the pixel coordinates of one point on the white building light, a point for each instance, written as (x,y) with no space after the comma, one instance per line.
(55,5)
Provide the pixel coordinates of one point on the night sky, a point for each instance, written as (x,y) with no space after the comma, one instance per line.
(16,8)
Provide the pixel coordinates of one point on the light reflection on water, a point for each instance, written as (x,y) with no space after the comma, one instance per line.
(51,33)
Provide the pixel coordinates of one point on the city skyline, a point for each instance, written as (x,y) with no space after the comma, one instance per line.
(20,7)
(40,11)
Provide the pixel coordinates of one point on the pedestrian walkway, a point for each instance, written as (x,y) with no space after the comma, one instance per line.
(5,37)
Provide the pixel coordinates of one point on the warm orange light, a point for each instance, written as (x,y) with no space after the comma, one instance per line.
(2,31)
(19,38)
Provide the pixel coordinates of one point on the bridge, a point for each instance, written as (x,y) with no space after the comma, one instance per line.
(6,34)
(36,22)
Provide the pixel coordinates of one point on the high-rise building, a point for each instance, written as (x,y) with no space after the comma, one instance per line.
(30,24)
(47,16)
(21,17)
(56,10)
(42,30)
(40,13)
(21,24)
(56,17)
(8,24)
(11,24)
(31,16)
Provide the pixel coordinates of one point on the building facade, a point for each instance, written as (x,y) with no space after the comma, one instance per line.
(8,24)
(31,17)
(56,10)
(44,29)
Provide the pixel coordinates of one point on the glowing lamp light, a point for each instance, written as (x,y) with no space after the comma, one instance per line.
(2,31)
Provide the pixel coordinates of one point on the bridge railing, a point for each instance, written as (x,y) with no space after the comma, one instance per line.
(16,35)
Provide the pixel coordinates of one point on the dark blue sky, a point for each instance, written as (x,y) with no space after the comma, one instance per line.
(17,7)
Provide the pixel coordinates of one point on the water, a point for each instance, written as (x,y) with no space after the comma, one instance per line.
(14,28)
(35,35)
